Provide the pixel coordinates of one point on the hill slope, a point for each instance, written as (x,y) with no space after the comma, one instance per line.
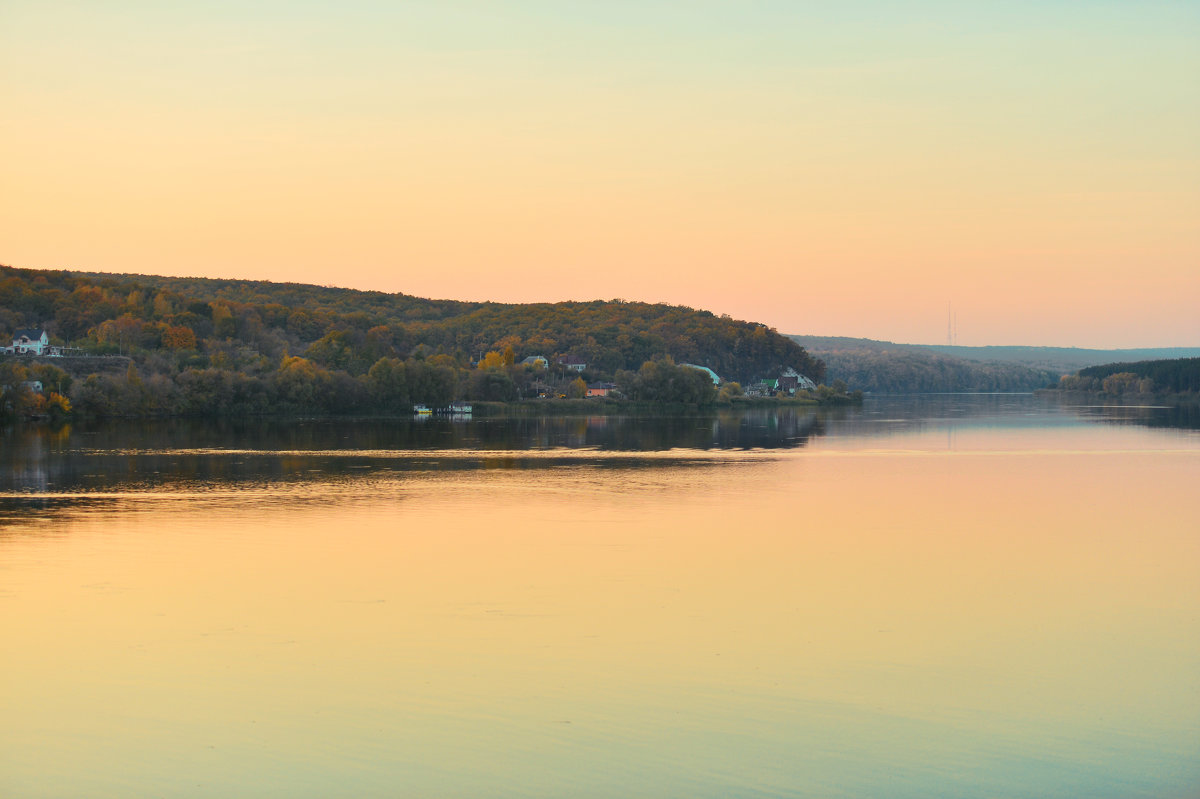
(256,346)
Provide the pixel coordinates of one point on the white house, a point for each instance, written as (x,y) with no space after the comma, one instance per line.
(30,341)
(539,361)
(573,362)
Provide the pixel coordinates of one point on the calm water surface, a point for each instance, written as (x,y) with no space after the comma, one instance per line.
(944,596)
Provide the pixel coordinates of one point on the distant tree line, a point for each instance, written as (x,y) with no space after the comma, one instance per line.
(1172,376)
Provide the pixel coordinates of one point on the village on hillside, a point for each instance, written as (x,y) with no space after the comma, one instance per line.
(786,384)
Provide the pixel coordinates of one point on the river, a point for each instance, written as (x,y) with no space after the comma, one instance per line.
(959,596)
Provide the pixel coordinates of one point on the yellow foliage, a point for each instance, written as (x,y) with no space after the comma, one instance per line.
(162,305)
(297,365)
(493,360)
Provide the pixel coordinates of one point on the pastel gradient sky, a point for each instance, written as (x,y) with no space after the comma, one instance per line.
(826,168)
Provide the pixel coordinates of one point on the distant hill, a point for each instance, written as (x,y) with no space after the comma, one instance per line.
(884,366)
(1061,359)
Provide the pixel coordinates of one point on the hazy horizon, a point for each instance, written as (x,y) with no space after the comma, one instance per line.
(811,167)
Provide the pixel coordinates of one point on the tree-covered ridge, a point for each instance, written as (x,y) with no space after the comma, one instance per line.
(355,327)
(325,299)
(230,346)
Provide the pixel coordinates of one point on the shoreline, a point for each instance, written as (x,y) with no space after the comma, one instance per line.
(485,410)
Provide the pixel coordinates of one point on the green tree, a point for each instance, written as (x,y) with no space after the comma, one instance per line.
(387,383)
(492,385)
(662,381)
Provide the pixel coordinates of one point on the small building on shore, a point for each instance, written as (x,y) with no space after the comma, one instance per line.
(792,381)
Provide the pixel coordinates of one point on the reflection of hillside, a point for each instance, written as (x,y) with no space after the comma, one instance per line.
(27,456)
(150,454)
(907,413)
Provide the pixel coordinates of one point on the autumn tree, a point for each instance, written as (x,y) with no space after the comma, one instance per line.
(178,337)
(493,360)
(222,319)
(729,391)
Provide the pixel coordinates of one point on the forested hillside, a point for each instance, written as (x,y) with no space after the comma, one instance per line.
(200,345)
(884,367)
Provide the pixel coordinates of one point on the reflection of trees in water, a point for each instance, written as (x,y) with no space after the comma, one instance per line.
(136,455)
(1179,417)
(902,414)
(768,429)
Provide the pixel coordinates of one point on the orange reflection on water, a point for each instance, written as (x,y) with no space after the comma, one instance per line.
(868,622)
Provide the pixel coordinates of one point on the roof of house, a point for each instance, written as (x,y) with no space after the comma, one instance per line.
(32,333)
(534,359)
(800,379)
(571,360)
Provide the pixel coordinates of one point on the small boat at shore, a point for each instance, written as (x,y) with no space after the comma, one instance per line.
(422,410)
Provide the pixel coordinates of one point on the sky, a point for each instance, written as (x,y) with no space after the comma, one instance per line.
(851,169)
